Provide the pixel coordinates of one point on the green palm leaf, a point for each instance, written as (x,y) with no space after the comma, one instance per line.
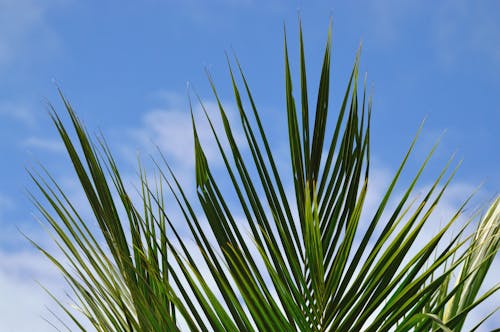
(313,270)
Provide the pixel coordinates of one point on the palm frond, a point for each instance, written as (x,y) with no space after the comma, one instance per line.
(317,269)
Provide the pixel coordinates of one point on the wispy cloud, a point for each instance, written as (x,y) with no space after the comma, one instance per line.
(170,129)
(19,112)
(24,303)
(46,144)
(5,203)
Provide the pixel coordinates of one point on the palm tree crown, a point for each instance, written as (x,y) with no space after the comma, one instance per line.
(301,262)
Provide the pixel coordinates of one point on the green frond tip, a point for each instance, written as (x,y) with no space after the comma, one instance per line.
(201,164)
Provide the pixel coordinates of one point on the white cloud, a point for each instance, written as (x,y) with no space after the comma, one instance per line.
(5,203)
(46,144)
(170,129)
(18,112)
(24,304)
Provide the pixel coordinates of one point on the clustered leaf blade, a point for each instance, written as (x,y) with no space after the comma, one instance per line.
(312,264)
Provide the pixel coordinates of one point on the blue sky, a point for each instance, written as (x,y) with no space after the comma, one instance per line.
(124,66)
